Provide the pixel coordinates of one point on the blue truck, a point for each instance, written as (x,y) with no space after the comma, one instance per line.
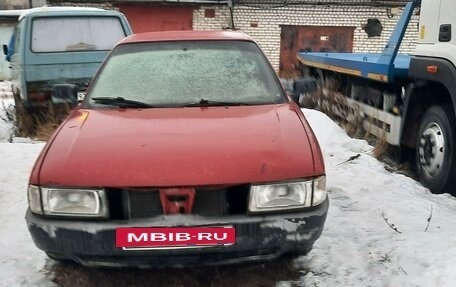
(408,100)
(52,46)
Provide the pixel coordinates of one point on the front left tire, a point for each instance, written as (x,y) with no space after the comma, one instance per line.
(436,149)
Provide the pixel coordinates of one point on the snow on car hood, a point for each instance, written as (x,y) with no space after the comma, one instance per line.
(178,147)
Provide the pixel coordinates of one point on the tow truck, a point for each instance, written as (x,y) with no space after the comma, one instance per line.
(409,98)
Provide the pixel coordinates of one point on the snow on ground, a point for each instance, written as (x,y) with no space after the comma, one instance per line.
(20,262)
(357,247)
(6,102)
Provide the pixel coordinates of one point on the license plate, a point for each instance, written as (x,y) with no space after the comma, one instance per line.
(174,237)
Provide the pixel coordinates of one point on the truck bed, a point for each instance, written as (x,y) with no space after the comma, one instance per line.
(363,65)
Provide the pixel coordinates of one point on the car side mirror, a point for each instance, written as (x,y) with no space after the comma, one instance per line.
(65,94)
(303,86)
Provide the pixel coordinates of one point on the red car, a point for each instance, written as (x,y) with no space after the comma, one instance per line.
(185,150)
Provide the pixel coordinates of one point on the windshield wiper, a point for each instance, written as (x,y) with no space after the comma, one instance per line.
(208,103)
(121,102)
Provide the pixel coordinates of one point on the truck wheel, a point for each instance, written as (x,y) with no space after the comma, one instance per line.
(436,150)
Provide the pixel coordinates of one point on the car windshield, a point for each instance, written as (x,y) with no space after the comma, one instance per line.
(186,73)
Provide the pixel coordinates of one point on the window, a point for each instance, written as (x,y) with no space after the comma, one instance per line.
(63,34)
(179,73)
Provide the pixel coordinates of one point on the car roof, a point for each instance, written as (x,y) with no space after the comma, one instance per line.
(46,9)
(186,36)
(12,13)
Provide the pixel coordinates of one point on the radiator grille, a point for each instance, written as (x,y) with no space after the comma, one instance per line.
(144,203)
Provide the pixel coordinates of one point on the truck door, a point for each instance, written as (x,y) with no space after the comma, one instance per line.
(437,36)
(447,23)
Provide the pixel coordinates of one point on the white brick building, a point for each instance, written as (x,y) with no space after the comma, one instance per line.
(265,20)
(20,4)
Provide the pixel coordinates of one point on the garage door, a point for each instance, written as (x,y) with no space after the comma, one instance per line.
(311,39)
(158,18)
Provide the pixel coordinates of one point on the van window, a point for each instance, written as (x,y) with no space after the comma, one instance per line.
(64,34)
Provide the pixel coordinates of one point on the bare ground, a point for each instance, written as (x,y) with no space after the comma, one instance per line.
(250,275)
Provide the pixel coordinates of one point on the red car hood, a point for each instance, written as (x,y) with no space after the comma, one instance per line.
(177,147)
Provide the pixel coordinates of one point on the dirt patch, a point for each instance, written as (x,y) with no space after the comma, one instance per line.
(248,275)
(5,90)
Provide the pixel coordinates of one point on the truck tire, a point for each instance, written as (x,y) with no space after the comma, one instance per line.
(436,149)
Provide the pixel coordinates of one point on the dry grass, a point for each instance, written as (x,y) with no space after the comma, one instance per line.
(333,103)
(37,123)
(44,131)
(382,149)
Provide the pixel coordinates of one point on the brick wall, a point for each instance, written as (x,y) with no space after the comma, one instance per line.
(14,4)
(269,21)
(104,5)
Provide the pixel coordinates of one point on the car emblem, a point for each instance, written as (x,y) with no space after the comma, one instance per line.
(177,200)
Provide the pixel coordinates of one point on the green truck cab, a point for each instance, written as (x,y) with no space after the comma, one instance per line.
(59,45)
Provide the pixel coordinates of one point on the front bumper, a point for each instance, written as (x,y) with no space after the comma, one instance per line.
(92,243)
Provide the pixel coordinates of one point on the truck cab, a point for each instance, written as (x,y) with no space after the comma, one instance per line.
(436,23)
(56,45)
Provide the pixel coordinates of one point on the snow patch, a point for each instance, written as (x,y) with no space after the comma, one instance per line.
(357,247)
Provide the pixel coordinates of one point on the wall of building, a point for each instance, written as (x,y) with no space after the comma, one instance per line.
(20,4)
(6,30)
(14,4)
(264,25)
(104,5)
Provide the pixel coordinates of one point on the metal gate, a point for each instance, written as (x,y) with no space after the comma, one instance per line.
(294,39)
(149,18)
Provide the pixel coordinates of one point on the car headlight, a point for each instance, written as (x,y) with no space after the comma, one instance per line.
(288,195)
(68,202)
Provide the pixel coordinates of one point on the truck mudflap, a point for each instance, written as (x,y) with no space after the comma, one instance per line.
(265,237)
